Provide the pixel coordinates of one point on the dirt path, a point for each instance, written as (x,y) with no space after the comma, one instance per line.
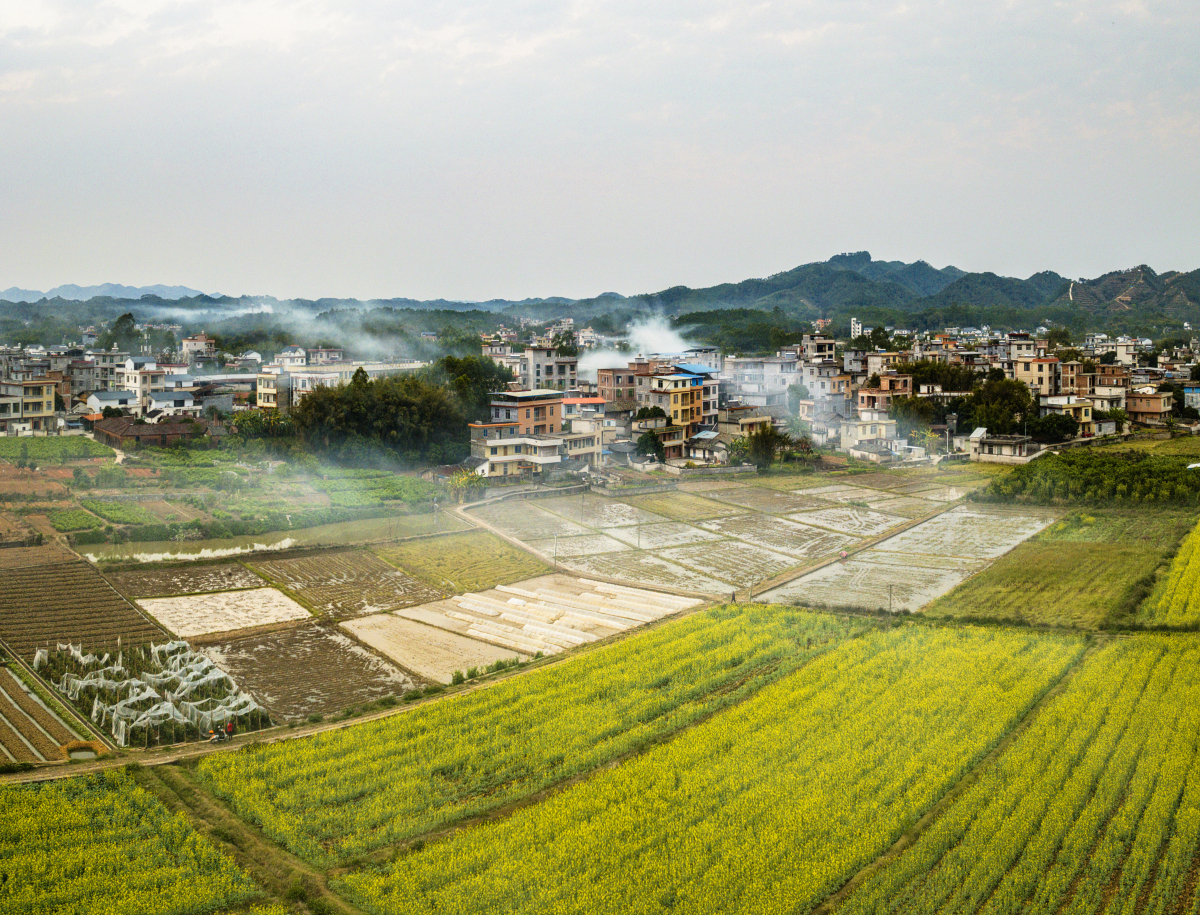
(276,870)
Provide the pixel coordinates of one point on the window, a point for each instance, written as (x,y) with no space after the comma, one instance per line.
(527,414)
(494,449)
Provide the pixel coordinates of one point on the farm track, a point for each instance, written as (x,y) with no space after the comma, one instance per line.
(831,904)
(273,867)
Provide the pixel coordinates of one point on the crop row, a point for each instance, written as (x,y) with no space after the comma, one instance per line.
(69,602)
(1177,600)
(73,519)
(765,808)
(103,844)
(343,792)
(43,449)
(1095,808)
(119,512)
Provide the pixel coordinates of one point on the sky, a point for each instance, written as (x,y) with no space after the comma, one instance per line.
(476,150)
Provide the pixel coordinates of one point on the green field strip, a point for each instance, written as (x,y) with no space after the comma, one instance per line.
(1092,809)
(343,793)
(766,807)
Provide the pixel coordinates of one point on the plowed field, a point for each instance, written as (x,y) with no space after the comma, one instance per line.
(69,602)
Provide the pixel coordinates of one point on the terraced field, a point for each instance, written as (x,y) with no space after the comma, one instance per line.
(192,578)
(67,602)
(348,584)
(29,730)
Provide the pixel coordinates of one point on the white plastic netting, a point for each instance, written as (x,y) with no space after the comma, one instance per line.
(159,695)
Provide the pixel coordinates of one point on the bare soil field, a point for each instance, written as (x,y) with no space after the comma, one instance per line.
(351,583)
(24,557)
(528,521)
(599,512)
(735,562)
(547,614)
(165,511)
(587,545)
(634,567)
(659,536)
(225,611)
(463,562)
(41,606)
(707,485)
(168,581)
(857,522)
(29,730)
(308,670)
(781,535)
(426,650)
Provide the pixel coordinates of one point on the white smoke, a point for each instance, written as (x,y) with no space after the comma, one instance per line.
(653,334)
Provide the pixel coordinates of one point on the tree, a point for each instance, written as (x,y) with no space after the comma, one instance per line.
(564,343)
(1001,405)
(912,414)
(651,413)
(649,443)
(764,445)
(1058,336)
(1053,428)
(112,412)
(796,393)
(464,483)
(1109,358)
(873,381)
(121,333)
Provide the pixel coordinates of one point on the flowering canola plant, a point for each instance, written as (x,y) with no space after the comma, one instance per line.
(102,845)
(1176,601)
(766,807)
(340,793)
(1095,808)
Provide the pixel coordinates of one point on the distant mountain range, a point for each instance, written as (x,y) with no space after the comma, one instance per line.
(74,293)
(846,284)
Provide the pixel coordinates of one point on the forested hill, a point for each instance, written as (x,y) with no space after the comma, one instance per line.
(916,295)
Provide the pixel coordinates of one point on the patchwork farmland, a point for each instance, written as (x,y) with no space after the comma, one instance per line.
(542,616)
(715,538)
(308,670)
(345,584)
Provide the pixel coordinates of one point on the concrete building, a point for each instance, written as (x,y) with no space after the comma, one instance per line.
(536,412)
(760,380)
(27,405)
(1000,449)
(1078,408)
(1040,374)
(1148,406)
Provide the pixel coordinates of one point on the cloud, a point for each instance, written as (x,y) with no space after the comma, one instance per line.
(307,147)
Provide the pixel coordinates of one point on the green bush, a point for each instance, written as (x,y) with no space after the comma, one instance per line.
(118,512)
(73,519)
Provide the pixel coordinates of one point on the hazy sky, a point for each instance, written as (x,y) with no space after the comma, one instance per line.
(472,150)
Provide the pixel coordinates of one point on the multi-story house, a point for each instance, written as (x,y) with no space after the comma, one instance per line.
(1148,406)
(107,363)
(760,380)
(544,368)
(891,386)
(1040,374)
(27,404)
(617,385)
